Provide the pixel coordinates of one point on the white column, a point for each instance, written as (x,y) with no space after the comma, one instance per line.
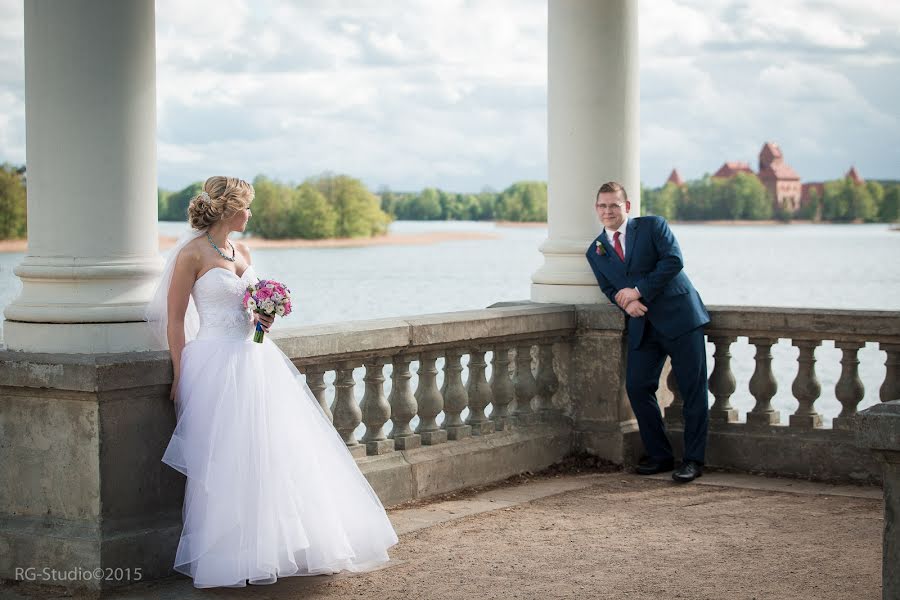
(593,118)
(90,93)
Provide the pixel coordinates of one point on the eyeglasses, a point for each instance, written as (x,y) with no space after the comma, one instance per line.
(616,206)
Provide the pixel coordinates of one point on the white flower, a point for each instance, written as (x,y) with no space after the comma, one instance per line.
(280,310)
(277,297)
(268,306)
(251,303)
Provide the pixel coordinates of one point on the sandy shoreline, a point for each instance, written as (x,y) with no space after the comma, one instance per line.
(393,239)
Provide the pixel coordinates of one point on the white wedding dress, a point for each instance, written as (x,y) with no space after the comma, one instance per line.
(271,489)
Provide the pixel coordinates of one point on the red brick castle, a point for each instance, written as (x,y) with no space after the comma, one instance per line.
(777,176)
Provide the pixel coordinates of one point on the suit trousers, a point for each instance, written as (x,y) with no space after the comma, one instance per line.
(645,363)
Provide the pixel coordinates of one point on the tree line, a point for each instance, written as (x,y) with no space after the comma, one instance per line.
(321,207)
(744,197)
(13,209)
(332,205)
(523,201)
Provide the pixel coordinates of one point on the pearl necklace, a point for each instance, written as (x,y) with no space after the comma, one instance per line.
(231,259)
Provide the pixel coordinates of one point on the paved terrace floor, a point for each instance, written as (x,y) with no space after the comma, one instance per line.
(608,535)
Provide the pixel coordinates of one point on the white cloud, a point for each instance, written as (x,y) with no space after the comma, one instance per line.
(453,93)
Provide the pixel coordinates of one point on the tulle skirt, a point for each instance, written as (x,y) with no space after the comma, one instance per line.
(271,489)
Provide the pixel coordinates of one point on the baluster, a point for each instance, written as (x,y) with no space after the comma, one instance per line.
(547,382)
(315,379)
(479,394)
(806,387)
(403,406)
(430,401)
(849,389)
(525,386)
(347,415)
(763,385)
(721,381)
(455,397)
(890,389)
(375,409)
(501,388)
(674,413)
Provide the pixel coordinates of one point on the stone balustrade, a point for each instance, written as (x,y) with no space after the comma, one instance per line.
(515,344)
(426,404)
(803,445)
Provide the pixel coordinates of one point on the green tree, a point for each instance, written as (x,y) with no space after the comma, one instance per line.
(389,201)
(697,202)
(812,209)
(311,216)
(162,204)
(845,200)
(13,203)
(487,204)
(666,201)
(876,192)
(523,201)
(426,206)
(749,193)
(271,206)
(889,212)
(177,202)
(357,209)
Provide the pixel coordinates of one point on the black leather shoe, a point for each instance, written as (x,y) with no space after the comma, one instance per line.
(688,471)
(652,467)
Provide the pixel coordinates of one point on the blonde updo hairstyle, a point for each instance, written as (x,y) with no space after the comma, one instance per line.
(221,198)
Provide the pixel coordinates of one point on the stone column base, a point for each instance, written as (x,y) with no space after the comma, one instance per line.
(78,338)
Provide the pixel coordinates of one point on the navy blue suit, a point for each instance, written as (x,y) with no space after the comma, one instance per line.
(673,326)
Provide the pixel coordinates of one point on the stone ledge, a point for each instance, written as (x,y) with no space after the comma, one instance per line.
(327,343)
(822,454)
(878,427)
(421,472)
(806,323)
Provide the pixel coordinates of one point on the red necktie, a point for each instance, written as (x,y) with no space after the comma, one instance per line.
(618,245)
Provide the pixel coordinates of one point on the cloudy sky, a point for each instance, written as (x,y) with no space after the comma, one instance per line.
(452,93)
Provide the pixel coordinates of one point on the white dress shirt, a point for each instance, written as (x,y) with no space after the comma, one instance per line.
(622,230)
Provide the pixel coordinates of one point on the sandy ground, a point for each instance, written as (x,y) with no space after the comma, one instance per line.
(609,535)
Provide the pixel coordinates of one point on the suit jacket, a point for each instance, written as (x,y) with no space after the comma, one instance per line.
(653,264)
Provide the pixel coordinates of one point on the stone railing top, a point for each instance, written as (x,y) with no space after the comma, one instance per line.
(878,427)
(333,342)
(806,323)
(502,323)
(326,344)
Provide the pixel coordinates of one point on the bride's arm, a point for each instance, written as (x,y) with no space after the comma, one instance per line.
(183,276)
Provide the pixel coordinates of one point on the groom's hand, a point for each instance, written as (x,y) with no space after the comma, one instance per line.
(636,308)
(626,296)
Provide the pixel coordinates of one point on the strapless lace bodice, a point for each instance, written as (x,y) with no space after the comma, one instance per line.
(218,294)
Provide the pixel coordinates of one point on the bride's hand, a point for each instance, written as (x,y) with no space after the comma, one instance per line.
(265,320)
(173,390)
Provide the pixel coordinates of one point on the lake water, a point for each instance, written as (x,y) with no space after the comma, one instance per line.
(819,266)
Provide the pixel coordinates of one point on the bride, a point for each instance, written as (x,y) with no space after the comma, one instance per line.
(271,489)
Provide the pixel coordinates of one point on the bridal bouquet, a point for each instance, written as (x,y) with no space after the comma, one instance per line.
(267,297)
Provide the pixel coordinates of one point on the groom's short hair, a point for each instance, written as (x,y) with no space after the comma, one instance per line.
(612,187)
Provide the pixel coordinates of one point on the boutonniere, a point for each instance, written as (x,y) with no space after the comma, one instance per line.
(600,249)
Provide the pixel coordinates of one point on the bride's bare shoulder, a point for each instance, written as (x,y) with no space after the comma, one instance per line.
(190,256)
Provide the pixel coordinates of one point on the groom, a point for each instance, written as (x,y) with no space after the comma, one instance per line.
(638,264)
